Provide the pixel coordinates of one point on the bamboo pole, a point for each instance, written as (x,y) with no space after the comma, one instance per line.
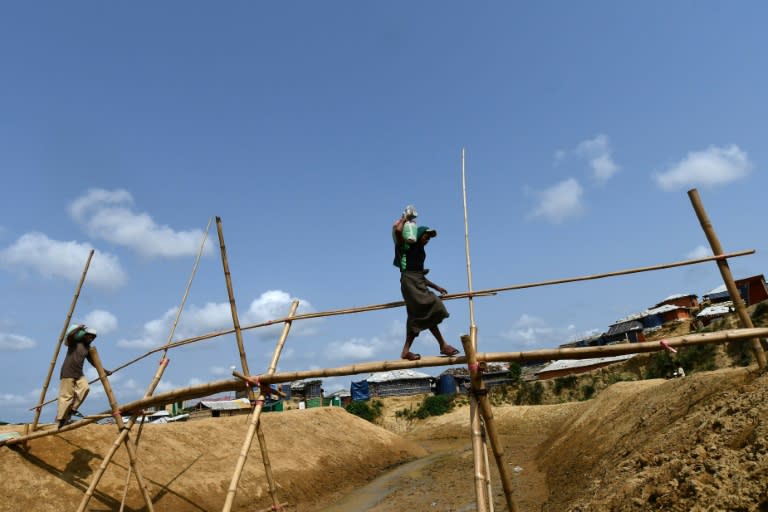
(484,404)
(39,407)
(129,472)
(244,363)
(450,296)
(725,272)
(256,414)
(209,388)
(484,495)
(122,438)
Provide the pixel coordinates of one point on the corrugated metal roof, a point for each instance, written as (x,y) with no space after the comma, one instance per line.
(227,405)
(648,312)
(622,327)
(719,289)
(716,310)
(678,296)
(397,375)
(564,364)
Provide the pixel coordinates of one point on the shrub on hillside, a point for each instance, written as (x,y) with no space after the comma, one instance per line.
(435,405)
(364,410)
(564,382)
(529,394)
(515,371)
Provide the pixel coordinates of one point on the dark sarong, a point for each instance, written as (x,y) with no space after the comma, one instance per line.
(425,309)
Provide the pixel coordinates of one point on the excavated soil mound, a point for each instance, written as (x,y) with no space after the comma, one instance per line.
(699,443)
(314,453)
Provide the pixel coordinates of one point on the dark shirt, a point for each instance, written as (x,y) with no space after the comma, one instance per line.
(415,255)
(77,353)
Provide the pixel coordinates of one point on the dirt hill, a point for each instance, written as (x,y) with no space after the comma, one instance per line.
(699,443)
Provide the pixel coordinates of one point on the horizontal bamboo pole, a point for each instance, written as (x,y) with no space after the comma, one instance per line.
(451,296)
(388,305)
(210,388)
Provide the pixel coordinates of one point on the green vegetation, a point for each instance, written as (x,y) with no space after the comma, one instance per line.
(515,371)
(529,394)
(564,382)
(435,405)
(587,391)
(364,410)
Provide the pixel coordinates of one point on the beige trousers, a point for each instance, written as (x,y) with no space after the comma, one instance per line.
(72,393)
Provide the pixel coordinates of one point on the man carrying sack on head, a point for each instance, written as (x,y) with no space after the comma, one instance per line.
(73,386)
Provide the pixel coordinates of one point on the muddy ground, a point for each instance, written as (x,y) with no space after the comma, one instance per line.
(694,444)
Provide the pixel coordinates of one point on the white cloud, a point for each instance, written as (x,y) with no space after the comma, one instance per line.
(14,342)
(699,252)
(213,316)
(598,152)
(103,321)
(710,167)
(222,370)
(53,258)
(357,349)
(559,202)
(108,214)
(532,331)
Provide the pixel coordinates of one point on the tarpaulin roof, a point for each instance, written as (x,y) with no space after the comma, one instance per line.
(227,405)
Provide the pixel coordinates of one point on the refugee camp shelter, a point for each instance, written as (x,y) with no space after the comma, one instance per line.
(399,383)
(221,407)
(690,300)
(306,389)
(715,311)
(752,290)
(564,367)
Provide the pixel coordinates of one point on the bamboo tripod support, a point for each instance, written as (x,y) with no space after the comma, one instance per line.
(725,272)
(150,389)
(63,333)
(123,438)
(255,416)
(244,363)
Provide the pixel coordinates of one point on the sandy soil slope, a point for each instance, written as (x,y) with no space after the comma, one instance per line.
(693,444)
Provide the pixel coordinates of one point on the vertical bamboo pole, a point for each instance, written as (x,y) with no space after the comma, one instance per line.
(232,306)
(482,496)
(466,245)
(725,272)
(255,415)
(63,333)
(478,387)
(244,364)
(121,426)
(476,423)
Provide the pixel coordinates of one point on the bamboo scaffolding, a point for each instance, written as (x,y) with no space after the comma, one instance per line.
(209,388)
(725,272)
(484,405)
(451,296)
(39,407)
(255,416)
(244,362)
(132,457)
(483,491)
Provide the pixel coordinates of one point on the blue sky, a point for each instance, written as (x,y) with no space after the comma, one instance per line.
(307,127)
